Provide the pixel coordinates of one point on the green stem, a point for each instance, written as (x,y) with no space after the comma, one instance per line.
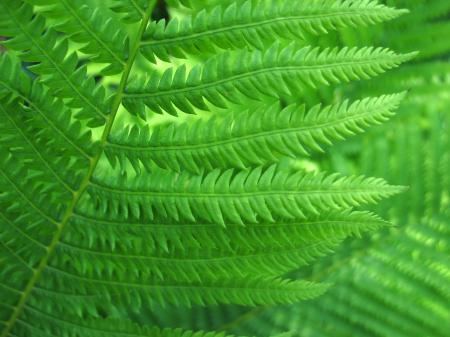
(86,181)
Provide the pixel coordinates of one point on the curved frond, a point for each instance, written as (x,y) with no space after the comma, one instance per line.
(257,24)
(167,236)
(97,289)
(399,287)
(273,73)
(242,139)
(232,196)
(198,211)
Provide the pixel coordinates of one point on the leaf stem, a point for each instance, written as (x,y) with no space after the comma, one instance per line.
(86,181)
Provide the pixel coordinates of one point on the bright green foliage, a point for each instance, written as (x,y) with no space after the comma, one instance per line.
(247,196)
(255,24)
(104,216)
(102,35)
(57,66)
(254,137)
(395,283)
(408,298)
(276,72)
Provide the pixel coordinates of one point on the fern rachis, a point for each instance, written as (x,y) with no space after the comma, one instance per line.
(96,220)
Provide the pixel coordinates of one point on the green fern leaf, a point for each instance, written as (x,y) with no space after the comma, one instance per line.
(83,241)
(276,72)
(242,139)
(234,196)
(257,24)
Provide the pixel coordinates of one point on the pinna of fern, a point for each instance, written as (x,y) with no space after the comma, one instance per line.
(243,24)
(242,139)
(84,240)
(374,303)
(398,286)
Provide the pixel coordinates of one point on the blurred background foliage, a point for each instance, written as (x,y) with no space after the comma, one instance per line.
(397,282)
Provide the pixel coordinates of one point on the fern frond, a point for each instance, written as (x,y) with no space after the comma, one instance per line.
(59,70)
(273,73)
(31,207)
(257,24)
(200,266)
(234,196)
(239,252)
(82,238)
(103,37)
(164,236)
(254,137)
(397,284)
(92,290)
(391,303)
(43,158)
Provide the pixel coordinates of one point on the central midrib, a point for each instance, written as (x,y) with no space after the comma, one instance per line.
(245,194)
(85,183)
